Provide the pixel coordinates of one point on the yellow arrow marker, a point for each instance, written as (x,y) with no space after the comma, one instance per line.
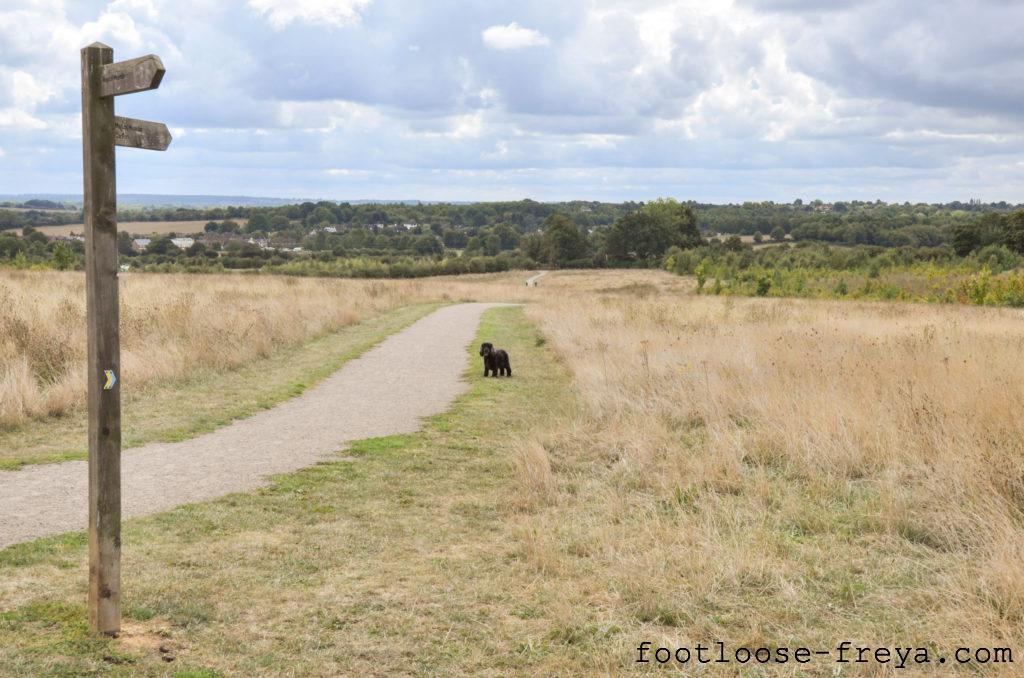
(111,379)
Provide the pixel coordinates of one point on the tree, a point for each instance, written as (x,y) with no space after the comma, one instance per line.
(124,243)
(508,236)
(758,238)
(563,240)
(640,235)
(532,245)
(649,232)
(1014,228)
(428,243)
(681,219)
(492,245)
(63,257)
(162,246)
(990,229)
(257,222)
(778,234)
(734,244)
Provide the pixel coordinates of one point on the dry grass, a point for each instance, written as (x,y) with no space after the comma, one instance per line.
(755,471)
(761,470)
(172,325)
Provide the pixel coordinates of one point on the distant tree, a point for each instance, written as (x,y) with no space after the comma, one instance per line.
(455,239)
(492,245)
(508,236)
(1014,228)
(32,236)
(733,243)
(758,237)
(532,245)
(428,244)
(162,246)
(320,215)
(681,219)
(63,257)
(649,233)
(563,240)
(989,229)
(640,235)
(10,246)
(257,222)
(778,234)
(124,243)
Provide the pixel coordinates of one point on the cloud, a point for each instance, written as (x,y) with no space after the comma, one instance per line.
(612,99)
(513,36)
(335,13)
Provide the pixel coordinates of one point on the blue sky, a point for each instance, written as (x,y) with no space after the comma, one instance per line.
(710,100)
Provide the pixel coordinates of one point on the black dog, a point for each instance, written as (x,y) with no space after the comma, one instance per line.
(495,360)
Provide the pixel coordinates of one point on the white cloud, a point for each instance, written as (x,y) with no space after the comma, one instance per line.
(336,13)
(513,36)
(625,98)
(18,119)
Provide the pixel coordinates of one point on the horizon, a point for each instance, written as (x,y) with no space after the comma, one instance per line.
(207,200)
(722,102)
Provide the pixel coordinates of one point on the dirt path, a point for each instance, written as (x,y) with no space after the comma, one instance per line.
(532,282)
(388,390)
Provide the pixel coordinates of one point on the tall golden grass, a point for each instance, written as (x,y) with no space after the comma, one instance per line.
(174,325)
(771,471)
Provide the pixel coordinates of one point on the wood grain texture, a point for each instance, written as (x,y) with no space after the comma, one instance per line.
(103,344)
(152,136)
(134,75)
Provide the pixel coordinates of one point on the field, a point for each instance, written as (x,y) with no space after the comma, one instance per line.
(138,228)
(176,325)
(665,467)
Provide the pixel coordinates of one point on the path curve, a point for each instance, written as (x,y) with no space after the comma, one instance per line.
(532,282)
(388,390)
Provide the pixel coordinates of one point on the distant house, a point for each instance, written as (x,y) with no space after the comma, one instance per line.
(183,243)
(330,229)
(140,244)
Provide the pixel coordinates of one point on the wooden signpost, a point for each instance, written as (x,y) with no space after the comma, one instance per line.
(102,80)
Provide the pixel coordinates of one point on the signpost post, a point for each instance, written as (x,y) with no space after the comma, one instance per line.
(102,80)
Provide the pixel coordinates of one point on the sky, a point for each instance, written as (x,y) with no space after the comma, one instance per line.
(710,100)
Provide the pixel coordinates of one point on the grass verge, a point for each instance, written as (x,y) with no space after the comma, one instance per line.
(404,556)
(183,408)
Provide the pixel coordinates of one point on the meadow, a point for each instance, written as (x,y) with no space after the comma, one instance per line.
(175,325)
(763,469)
(665,466)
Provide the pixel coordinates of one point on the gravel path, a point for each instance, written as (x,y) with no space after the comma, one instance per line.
(532,282)
(388,390)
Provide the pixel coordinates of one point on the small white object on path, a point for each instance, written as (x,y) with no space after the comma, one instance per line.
(388,390)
